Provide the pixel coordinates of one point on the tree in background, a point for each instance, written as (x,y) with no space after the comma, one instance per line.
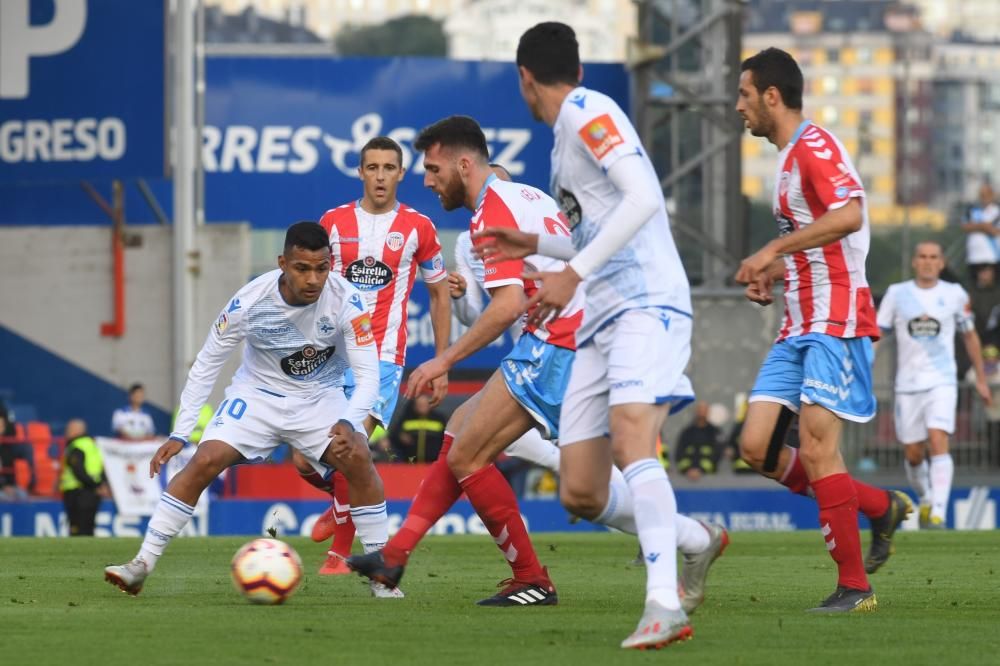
(405,36)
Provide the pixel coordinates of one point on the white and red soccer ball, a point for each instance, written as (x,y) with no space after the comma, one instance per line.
(266,571)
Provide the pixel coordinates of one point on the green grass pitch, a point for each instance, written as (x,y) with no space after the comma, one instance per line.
(939,603)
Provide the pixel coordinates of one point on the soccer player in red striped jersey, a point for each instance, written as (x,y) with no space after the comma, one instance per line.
(820,365)
(379,245)
(524,393)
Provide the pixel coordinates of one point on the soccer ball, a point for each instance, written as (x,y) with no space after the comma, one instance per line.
(266,571)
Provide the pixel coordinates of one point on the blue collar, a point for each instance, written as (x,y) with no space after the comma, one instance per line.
(802,128)
(482,192)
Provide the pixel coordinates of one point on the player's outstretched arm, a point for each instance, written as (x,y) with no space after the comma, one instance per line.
(496,244)
(441,323)
(829,228)
(225,334)
(505,306)
(641,196)
(362,355)
(975,350)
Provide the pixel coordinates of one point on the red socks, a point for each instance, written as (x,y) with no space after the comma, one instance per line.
(496,504)
(795,478)
(838,520)
(437,493)
(872,501)
(343,533)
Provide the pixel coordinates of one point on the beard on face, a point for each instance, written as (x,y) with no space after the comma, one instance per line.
(764,125)
(454,194)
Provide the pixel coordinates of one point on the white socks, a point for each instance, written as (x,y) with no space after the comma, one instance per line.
(169,517)
(920,480)
(618,513)
(534,448)
(692,537)
(372,524)
(655,519)
(942,472)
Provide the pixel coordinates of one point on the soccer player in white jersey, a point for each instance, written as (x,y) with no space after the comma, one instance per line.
(634,342)
(820,365)
(380,245)
(303,327)
(924,313)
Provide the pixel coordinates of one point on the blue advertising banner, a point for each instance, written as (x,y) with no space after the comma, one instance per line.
(82,91)
(739,510)
(282,136)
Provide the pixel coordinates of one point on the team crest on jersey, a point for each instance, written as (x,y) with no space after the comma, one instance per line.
(363,334)
(306,362)
(368,274)
(221,324)
(325,325)
(394,241)
(923,327)
(601,135)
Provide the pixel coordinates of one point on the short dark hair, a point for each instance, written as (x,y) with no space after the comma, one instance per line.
(774,67)
(497,165)
(382,143)
(307,235)
(136,387)
(454,132)
(551,53)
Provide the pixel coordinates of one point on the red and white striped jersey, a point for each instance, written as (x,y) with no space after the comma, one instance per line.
(518,206)
(379,254)
(826,290)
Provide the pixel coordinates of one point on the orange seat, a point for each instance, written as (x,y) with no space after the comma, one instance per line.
(46,468)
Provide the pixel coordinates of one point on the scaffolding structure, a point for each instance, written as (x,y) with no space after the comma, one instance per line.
(685,65)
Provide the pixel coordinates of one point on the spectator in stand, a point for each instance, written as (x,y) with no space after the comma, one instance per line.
(132,422)
(982,226)
(13,447)
(82,479)
(420,432)
(698,446)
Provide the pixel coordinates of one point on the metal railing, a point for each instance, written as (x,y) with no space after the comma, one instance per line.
(974,446)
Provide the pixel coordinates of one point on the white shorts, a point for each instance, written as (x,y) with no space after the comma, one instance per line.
(638,358)
(254,421)
(916,413)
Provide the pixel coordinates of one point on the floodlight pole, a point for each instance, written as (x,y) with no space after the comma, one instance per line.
(184,171)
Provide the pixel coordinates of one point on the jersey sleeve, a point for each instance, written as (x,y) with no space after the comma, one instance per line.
(496,213)
(362,355)
(826,171)
(887,311)
(601,139)
(428,255)
(117,421)
(965,320)
(469,306)
(226,333)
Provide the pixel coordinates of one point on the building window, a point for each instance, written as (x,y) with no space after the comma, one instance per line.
(830,85)
(832,55)
(829,115)
(864,55)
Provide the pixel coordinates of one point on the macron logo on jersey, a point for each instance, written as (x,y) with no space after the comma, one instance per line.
(357,302)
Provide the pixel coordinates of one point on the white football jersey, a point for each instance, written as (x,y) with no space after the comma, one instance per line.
(132,424)
(924,321)
(591,134)
(290,349)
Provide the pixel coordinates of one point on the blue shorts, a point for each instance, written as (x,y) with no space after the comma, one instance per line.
(390,376)
(536,374)
(819,369)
